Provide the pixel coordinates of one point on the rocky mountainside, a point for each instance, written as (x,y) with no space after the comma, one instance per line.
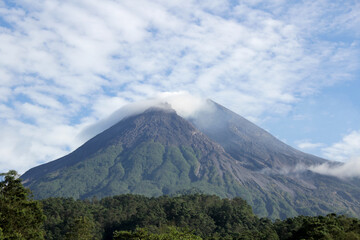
(255,148)
(215,152)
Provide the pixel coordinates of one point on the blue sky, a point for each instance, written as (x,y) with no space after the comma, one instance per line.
(292,67)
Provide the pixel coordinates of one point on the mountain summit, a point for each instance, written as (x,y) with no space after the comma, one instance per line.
(215,151)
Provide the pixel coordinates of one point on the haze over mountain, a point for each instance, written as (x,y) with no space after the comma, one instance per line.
(154,151)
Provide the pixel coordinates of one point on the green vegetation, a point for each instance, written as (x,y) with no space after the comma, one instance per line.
(329,227)
(159,153)
(20,217)
(205,216)
(170,233)
(153,169)
(81,228)
(194,216)
(150,169)
(82,177)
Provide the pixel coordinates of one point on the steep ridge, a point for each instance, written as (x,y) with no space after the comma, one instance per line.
(216,152)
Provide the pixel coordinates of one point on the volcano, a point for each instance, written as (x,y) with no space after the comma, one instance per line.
(157,152)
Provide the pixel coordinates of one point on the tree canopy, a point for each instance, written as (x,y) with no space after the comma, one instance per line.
(20,216)
(191,216)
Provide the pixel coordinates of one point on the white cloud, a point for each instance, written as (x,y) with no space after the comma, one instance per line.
(105,106)
(347,153)
(347,148)
(305,145)
(185,104)
(64,63)
(24,146)
(349,169)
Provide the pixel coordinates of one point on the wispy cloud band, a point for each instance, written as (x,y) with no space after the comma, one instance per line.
(66,64)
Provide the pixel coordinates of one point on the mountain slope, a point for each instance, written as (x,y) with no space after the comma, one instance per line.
(153,153)
(217,152)
(248,143)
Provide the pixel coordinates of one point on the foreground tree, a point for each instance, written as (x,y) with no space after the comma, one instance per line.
(20,216)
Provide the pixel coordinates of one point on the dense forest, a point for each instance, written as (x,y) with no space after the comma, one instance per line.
(191,216)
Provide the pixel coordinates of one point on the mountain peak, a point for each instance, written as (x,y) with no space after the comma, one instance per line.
(158,152)
(160,107)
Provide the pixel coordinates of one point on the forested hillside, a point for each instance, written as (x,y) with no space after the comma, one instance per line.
(205,216)
(192,216)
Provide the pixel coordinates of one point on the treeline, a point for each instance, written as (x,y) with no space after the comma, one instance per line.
(208,217)
(194,216)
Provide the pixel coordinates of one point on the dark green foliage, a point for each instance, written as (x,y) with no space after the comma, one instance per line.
(20,217)
(68,217)
(194,216)
(208,217)
(82,228)
(170,233)
(330,227)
